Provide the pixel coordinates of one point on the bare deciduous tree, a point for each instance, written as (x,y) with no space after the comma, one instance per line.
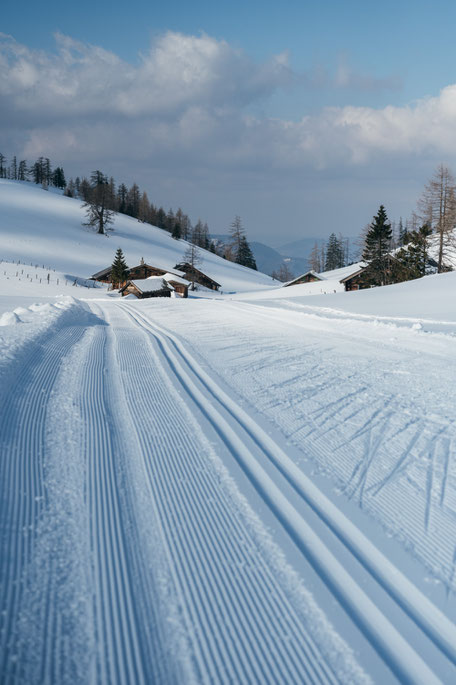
(437,206)
(192,257)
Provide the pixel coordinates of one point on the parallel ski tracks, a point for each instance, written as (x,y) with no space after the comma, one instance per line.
(239,623)
(116,626)
(231,599)
(391,645)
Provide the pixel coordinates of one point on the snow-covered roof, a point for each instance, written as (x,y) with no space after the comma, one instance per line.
(307,273)
(344,272)
(160,264)
(103,272)
(171,277)
(205,272)
(152,284)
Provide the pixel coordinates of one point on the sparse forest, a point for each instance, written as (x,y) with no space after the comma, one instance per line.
(102,197)
(410,243)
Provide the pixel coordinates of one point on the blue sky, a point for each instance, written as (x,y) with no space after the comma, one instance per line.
(313,113)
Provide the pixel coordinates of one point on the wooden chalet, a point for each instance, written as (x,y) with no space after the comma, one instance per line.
(136,273)
(355,280)
(308,277)
(358,280)
(103,276)
(194,275)
(154,286)
(180,285)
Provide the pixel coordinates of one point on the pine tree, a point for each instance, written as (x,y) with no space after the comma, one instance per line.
(376,248)
(245,255)
(2,166)
(122,192)
(13,168)
(239,249)
(22,170)
(58,178)
(415,256)
(176,234)
(119,270)
(334,253)
(47,172)
(161,218)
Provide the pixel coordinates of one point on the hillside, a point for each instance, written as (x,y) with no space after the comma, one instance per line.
(44,227)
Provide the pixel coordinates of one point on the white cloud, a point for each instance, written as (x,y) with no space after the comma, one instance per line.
(184,110)
(178,72)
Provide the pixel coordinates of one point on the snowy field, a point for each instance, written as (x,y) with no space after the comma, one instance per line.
(254,488)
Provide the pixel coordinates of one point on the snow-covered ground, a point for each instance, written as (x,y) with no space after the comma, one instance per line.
(254,488)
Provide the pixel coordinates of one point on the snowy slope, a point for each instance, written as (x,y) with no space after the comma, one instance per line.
(255,487)
(429,301)
(46,228)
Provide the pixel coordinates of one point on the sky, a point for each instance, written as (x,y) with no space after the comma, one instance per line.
(301,118)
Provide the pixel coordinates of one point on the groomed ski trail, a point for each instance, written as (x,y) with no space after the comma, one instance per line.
(127,555)
(392,646)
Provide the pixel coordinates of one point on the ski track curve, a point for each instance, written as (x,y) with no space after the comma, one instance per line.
(429,619)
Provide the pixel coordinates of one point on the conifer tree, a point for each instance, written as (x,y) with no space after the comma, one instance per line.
(415,255)
(22,170)
(13,168)
(58,178)
(376,247)
(239,248)
(245,255)
(119,270)
(176,234)
(334,253)
(122,192)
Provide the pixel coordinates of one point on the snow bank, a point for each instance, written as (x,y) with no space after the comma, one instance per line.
(9,319)
(23,329)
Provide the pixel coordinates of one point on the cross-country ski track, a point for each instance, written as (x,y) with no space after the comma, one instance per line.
(130,555)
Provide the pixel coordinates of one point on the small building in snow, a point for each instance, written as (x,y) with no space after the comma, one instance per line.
(154,286)
(136,273)
(103,276)
(308,277)
(180,285)
(194,275)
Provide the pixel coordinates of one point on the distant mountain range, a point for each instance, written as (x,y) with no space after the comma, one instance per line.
(294,255)
(269,260)
(300,248)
